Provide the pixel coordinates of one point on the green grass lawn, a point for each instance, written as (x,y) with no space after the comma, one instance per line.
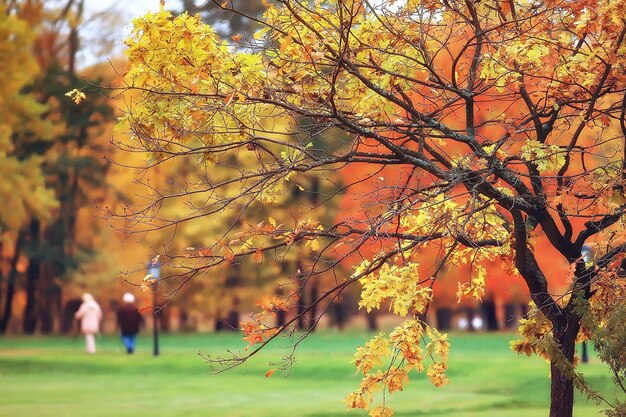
(51,376)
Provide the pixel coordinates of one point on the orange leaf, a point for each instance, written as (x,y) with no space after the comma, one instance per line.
(258,256)
(205,252)
(236,37)
(286,44)
(605,120)
(229,255)
(270,373)
(229,98)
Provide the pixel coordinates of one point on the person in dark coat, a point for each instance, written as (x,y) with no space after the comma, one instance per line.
(129,321)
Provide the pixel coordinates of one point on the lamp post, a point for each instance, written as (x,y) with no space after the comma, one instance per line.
(586,254)
(154,269)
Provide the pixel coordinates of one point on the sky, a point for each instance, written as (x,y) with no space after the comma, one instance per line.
(129,7)
(127,10)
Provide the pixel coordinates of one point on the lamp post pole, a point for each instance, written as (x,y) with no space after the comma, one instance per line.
(586,254)
(155,271)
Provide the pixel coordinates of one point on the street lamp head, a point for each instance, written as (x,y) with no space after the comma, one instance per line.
(586,253)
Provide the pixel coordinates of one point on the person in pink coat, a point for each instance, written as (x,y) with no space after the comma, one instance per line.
(89,314)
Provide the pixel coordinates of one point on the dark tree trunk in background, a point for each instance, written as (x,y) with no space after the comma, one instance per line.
(470,319)
(510,316)
(10,290)
(67,322)
(489,315)
(219,325)
(301,307)
(51,309)
(165,320)
(2,287)
(183,320)
(313,292)
(444,318)
(372,321)
(281,318)
(524,309)
(562,387)
(49,298)
(339,314)
(584,355)
(29,324)
(232,321)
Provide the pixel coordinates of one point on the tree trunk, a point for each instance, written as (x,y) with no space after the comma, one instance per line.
(489,315)
(67,322)
(219,324)
(510,316)
(50,307)
(232,321)
(562,386)
(444,318)
(372,322)
(313,311)
(165,319)
(49,298)
(29,323)
(470,319)
(339,313)
(301,307)
(281,318)
(10,291)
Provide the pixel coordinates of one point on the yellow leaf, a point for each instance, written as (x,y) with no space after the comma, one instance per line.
(76,95)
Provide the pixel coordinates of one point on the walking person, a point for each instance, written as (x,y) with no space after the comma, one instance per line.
(89,313)
(129,321)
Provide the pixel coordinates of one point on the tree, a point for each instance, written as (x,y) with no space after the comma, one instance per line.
(23,191)
(489,124)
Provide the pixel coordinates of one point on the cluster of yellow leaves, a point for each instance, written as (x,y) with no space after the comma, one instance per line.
(404,347)
(274,303)
(476,285)
(397,283)
(421,218)
(520,55)
(372,354)
(437,347)
(573,72)
(476,219)
(545,157)
(406,339)
(76,95)
(535,330)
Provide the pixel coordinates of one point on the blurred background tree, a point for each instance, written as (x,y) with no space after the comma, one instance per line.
(26,200)
(57,144)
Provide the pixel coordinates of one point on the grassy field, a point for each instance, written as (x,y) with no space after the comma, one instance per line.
(51,376)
